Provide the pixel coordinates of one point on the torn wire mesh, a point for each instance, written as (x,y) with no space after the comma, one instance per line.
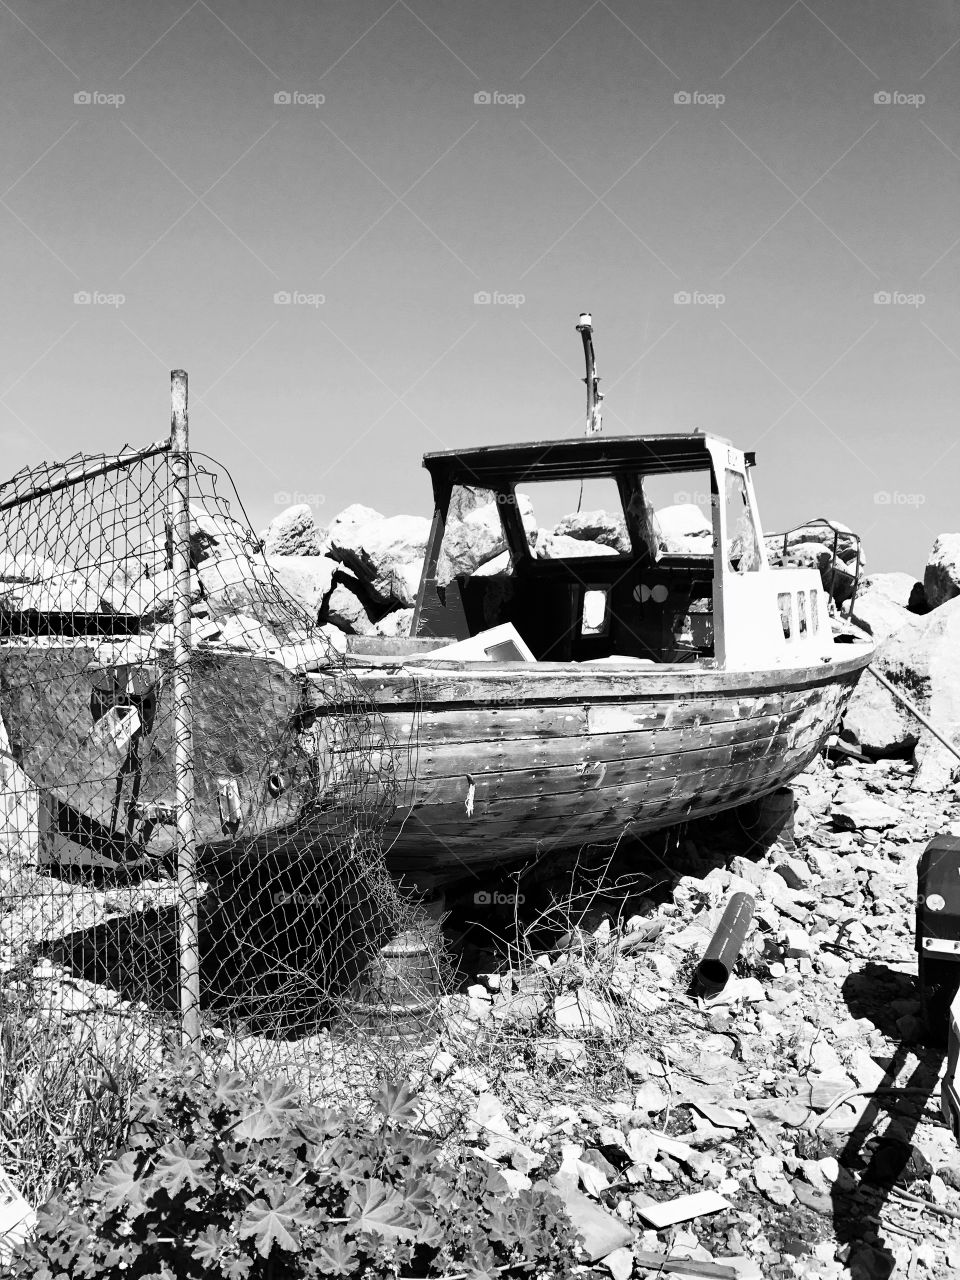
(306,945)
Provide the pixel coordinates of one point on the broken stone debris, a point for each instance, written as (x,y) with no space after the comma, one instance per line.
(764,1101)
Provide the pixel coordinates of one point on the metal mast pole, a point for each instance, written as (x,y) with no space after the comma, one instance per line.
(183,718)
(594,394)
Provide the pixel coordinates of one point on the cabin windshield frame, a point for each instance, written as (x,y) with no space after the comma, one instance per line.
(448,614)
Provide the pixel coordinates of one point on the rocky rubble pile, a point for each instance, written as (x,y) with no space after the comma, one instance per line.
(365,568)
(788,1126)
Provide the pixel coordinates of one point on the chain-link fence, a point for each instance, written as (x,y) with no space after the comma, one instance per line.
(189,850)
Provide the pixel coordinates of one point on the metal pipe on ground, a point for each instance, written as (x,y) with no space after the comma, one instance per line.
(716,966)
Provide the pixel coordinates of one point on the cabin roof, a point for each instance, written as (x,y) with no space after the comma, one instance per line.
(571,459)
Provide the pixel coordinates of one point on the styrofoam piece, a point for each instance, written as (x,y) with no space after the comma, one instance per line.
(682,1209)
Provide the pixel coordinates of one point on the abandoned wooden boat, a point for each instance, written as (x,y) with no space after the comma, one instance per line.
(649,686)
(555,690)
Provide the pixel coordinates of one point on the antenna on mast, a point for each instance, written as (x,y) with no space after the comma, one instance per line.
(594,394)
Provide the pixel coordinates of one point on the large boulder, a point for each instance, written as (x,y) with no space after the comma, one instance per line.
(293,532)
(501,564)
(146,594)
(881,603)
(237,584)
(355,514)
(348,606)
(473,536)
(807,555)
(596,526)
(798,550)
(386,555)
(941,578)
(306,578)
(395,624)
(923,659)
(20,567)
(65,592)
(918,599)
(684,529)
(558,546)
(212,536)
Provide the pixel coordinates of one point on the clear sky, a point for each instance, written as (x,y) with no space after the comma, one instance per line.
(782,197)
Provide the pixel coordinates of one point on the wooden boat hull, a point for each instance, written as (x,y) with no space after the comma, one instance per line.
(496,766)
(60,710)
(482,764)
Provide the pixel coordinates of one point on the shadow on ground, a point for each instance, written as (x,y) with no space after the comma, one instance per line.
(880,1164)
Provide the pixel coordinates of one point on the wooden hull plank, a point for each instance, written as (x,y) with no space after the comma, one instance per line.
(429,760)
(498,686)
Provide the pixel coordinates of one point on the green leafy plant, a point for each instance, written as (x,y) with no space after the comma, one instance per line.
(246,1180)
(64,1092)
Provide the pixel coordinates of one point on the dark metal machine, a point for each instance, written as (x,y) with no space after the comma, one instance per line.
(938,958)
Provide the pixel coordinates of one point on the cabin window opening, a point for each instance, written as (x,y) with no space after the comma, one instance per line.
(473,537)
(672,514)
(785,606)
(814,613)
(573,519)
(801,613)
(595,618)
(743,549)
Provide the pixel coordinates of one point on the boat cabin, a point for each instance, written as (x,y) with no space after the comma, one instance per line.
(630,586)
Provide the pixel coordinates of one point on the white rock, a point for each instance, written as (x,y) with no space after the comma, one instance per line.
(855,810)
(562,1049)
(294,532)
(443,1063)
(596,526)
(347,607)
(941,578)
(557,546)
(307,578)
(794,871)
(580,1010)
(920,659)
(516,1180)
(396,623)
(355,514)
(682,528)
(796,943)
(246,632)
(881,604)
(385,554)
(619,1263)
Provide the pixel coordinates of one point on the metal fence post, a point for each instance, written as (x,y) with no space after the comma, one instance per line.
(189,948)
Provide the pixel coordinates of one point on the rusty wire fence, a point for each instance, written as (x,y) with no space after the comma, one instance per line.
(190,852)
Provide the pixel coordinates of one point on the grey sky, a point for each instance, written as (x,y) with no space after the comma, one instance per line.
(784,187)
